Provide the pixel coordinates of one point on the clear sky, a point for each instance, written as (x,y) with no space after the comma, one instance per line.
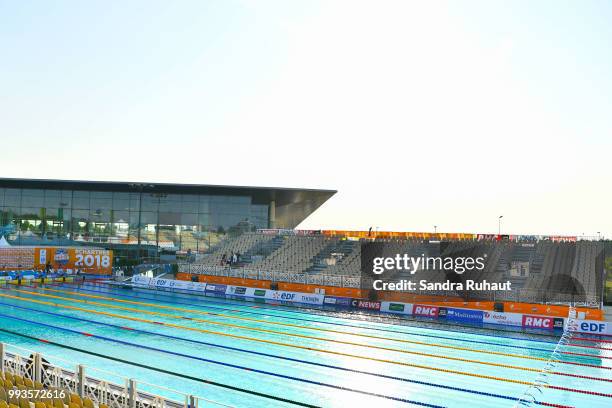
(420,113)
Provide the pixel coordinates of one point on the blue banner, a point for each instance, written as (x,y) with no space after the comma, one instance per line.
(461,315)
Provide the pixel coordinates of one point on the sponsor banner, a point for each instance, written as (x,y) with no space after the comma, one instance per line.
(507,319)
(216,288)
(539,322)
(141,280)
(99,261)
(365,304)
(168,283)
(396,307)
(460,315)
(594,327)
(236,290)
(338,301)
(426,311)
(295,297)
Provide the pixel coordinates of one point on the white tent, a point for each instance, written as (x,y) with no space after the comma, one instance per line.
(4,243)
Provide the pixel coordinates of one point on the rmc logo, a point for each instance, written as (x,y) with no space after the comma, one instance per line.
(428,311)
(538,322)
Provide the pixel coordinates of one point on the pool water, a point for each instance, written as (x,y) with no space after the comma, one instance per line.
(280,356)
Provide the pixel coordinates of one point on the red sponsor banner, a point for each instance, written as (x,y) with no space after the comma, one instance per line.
(366,304)
(538,322)
(424,310)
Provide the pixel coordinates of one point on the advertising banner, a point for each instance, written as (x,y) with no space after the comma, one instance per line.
(396,307)
(338,301)
(168,283)
(594,327)
(507,319)
(236,290)
(88,260)
(425,311)
(365,304)
(141,280)
(296,297)
(216,288)
(460,315)
(538,322)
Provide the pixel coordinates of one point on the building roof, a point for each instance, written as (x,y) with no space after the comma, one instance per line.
(293,205)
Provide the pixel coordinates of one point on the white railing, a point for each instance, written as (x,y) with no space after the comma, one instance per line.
(93,383)
(346,281)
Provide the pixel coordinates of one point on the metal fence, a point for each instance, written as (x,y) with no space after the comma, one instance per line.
(346,281)
(100,386)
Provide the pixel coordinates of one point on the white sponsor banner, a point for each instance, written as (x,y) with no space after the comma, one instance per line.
(296,297)
(396,307)
(141,280)
(279,295)
(594,327)
(507,319)
(169,283)
(245,291)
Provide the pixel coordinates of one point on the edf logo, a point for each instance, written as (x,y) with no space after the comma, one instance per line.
(591,327)
(287,296)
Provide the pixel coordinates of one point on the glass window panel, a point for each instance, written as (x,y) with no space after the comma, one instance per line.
(189,219)
(149,203)
(80,202)
(30,192)
(30,201)
(66,200)
(100,215)
(80,214)
(189,206)
(101,203)
(203,220)
(101,194)
(119,204)
(148,217)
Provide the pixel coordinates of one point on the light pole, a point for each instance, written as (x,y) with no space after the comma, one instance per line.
(435,229)
(499,224)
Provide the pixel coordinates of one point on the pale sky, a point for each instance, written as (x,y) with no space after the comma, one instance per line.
(419,113)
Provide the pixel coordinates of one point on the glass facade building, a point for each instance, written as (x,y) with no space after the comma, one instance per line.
(175,217)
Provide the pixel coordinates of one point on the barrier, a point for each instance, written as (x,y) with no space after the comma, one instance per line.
(506,319)
(396,307)
(338,301)
(594,327)
(215,288)
(451,314)
(161,283)
(460,315)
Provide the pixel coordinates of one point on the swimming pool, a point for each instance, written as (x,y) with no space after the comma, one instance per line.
(296,356)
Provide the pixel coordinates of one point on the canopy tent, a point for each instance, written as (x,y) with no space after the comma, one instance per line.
(4,243)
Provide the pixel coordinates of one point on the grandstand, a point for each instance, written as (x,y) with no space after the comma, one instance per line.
(553,269)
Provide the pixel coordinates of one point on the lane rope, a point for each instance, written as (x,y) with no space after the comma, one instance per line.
(236,366)
(282,357)
(295,334)
(321,312)
(79,289)
(449,371)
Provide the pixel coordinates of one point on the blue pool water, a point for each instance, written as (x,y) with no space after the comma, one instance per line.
(304,356)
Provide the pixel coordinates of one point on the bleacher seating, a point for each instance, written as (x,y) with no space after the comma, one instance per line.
(570,271)
(16,382)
